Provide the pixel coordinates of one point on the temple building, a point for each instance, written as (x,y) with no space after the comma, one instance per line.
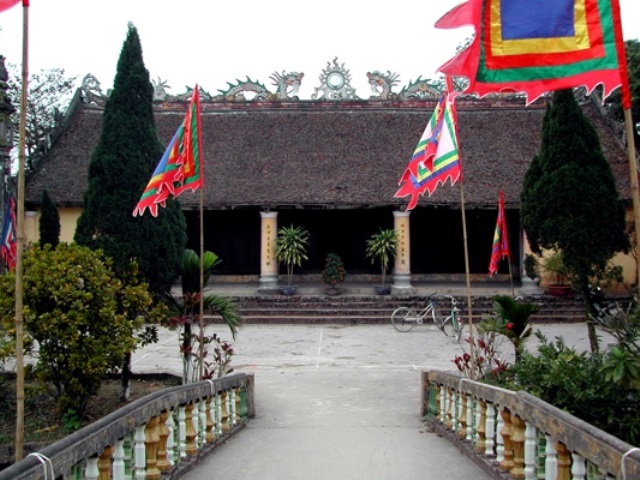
(331,164)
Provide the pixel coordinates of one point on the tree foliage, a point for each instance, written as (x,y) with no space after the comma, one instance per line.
(81,317)
(49,93)
(121,165)
(49,221)
(569,198)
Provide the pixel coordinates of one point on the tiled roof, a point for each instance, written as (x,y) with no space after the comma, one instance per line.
(328,154)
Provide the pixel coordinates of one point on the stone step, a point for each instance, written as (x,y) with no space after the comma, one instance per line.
(360,309)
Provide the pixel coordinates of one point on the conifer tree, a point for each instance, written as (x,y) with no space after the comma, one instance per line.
(49,221)
(121,166)
(569,198)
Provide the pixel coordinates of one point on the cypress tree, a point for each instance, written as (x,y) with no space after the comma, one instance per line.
(569,198)
(49,221)
(121,165)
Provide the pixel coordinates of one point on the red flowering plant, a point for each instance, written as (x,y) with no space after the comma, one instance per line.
(485,361)
(512,319)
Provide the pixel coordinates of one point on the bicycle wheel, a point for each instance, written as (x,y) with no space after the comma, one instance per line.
(451,327)
(399,319)
(438,320)
(456,326)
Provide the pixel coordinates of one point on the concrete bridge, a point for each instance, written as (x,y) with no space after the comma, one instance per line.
(331,401)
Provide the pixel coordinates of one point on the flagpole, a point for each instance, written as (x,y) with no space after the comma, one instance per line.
(635,195)
(513,292)
(466,264)
(19,441)
(625,90)
(450,89)
(201,282)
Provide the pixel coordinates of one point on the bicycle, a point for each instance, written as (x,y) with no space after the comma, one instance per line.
(404,319)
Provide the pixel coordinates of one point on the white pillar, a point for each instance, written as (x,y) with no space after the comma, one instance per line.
(268,262)
(402,265)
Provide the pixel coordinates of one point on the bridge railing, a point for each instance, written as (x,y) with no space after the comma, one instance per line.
(521,435)
(158,434)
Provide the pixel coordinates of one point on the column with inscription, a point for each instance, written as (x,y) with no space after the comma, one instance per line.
(402,268)
(268,263)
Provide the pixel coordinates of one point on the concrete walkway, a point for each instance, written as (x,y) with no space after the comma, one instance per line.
(337,402)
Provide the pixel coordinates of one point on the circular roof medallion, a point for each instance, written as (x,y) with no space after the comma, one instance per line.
(335,80)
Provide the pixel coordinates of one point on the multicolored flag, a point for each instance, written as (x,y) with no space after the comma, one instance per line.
(435,158)
(8,243)
(6,4)
(536,48)
(180,167)
(500,248)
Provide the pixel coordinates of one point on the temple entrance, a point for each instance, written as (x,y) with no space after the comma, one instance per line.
(436,238)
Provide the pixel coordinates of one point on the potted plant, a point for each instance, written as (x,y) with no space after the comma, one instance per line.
(333,273)
(291,250)
(381,246)
(554,264)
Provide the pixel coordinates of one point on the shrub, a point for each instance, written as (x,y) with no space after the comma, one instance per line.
(78,314)
(574,382)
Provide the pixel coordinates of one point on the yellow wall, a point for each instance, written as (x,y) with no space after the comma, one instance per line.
(68,221)
(627,261)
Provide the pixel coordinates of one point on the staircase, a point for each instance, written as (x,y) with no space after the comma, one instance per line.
(377,309)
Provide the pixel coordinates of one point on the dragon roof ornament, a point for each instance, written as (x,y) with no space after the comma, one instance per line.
(382,84)
(91,90)
(421,89)
(335,84)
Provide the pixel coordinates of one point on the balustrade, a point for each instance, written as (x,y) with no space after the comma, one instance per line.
(151,436)
(523,435)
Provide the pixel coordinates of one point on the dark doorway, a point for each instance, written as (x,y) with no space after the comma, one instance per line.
(437,244)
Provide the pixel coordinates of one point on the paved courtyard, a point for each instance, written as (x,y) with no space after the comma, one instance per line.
(337,402)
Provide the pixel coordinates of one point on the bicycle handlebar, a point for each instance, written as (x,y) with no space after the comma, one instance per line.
(450,297)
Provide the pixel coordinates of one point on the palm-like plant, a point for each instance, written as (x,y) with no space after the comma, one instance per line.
(291,247)
(185,310)
(381,246)
(511,320)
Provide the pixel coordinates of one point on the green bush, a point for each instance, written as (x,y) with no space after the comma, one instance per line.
(574,382)
(80,316)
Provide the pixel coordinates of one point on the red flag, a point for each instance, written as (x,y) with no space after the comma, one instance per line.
(180,168)
(8,245)
(6,4)
(556,45)
(500,248)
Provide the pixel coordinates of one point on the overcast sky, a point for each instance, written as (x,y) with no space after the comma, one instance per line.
(212,42)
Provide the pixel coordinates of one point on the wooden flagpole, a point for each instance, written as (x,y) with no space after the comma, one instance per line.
(450,90)
(466,265)
(635,195)
(629,127)
(201,316)
(513,292)
(19,441)
(201,173)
